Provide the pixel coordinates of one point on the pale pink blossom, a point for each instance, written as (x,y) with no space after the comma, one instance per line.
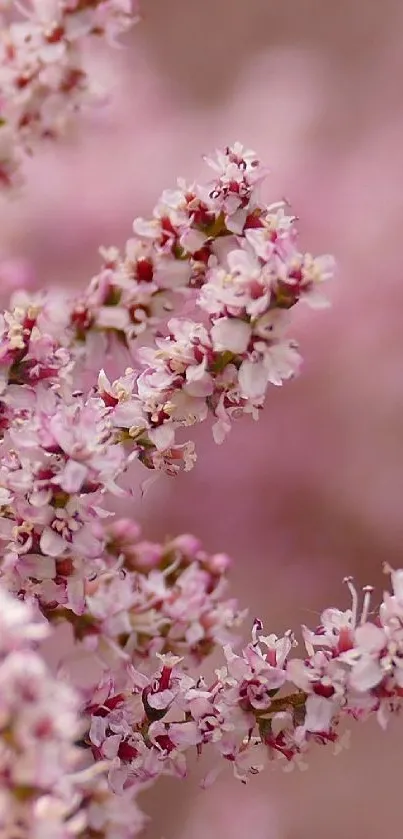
(43,74)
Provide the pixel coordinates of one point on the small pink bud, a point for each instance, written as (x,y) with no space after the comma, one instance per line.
(187,544)
(219,563)
(124,532)
(147,556)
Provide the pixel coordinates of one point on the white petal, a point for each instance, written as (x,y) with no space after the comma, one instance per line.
(319,713)
(231,334)
(366,674)
(51,543)
(253,379)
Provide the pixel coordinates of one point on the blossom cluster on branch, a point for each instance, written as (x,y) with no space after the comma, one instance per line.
(208,284)
(148,613)
(216,251)
(73,760)
(46,790)
(262,704)
(43,74)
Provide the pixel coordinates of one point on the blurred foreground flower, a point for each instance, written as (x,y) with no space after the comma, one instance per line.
(43,75)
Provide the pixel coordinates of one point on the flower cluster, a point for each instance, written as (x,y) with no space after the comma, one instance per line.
(46,792)
(218,247)
(57,462)
(38,725)
(230,270)
(237,263)
(43,76)
(263,704)
(29,353)
(213,250)
(140,723)
(151,598)
(208,283)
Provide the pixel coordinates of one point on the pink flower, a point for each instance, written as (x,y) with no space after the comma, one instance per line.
(42,73)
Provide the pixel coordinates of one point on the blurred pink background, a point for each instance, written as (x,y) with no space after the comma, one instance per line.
(315,490)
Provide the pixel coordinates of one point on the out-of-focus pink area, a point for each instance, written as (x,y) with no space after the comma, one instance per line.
(315,490)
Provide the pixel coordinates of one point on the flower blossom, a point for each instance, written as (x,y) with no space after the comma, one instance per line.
(43,75)
(242,277)
(211,278)
(151,598)
(57,462)
(214,251)
(262,705)
(46,790)
(209,282)
(39,723)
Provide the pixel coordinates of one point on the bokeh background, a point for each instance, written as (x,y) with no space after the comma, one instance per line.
(315,490)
